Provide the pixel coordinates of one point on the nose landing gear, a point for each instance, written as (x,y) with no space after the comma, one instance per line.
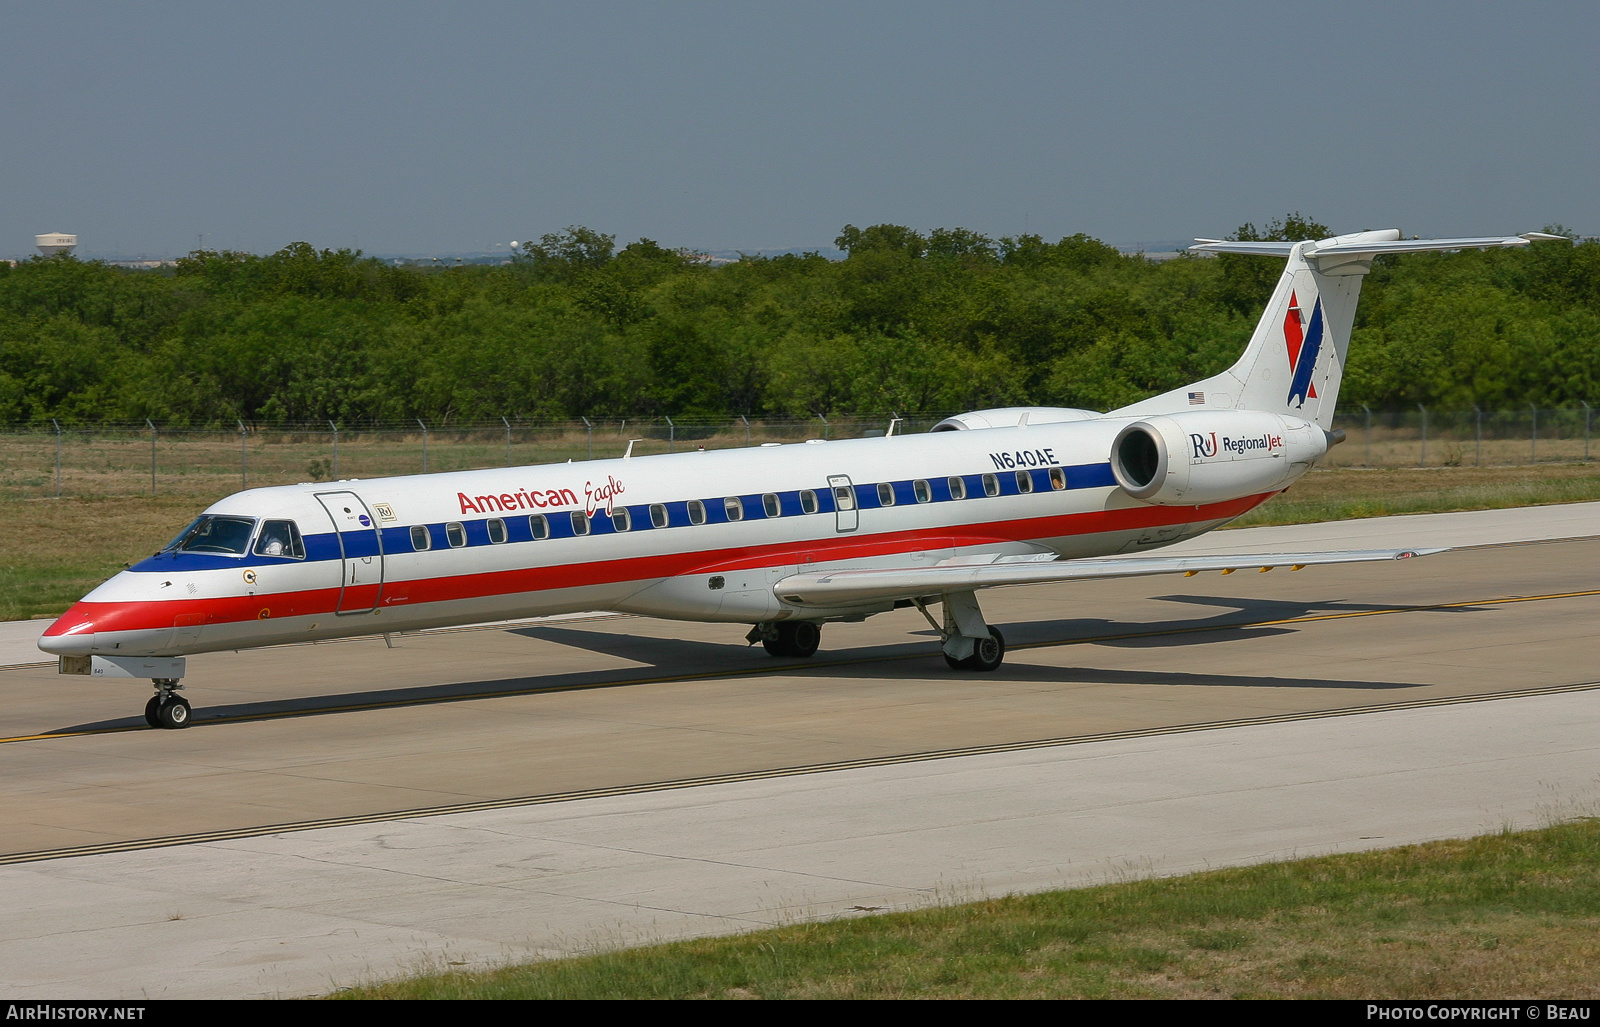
(167,709)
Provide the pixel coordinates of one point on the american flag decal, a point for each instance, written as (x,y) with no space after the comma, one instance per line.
(1197,399)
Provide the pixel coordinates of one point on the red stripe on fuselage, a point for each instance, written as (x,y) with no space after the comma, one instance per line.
(145,616)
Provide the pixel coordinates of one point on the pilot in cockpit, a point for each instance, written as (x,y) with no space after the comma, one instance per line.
(274,539)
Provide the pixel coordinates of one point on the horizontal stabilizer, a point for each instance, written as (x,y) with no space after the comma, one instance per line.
(849,588)
(1254,249)
(1366,244)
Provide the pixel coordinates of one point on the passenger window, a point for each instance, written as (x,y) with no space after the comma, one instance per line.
(991,485)
(280,538)
(697,512)
(885,494)
(958,488)
(844,497)
(1024,482)
(420,539)
(919,488)
(734,507)
(580,523)
(539,526)
(1058,478)
(497,530)
(620,519)
(808,501)
(456,534)
(769,503)
(658,515)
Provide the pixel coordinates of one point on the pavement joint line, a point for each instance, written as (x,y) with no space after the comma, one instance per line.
(737,777)
(1525,542)
(791,668)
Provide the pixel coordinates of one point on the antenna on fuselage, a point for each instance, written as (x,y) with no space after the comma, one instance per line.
(628,453)
(894,421)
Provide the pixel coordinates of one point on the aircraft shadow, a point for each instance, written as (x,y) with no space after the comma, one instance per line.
(1237,619)
(669,657)
(1015,671)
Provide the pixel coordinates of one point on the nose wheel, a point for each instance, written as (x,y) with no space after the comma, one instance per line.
(167,709)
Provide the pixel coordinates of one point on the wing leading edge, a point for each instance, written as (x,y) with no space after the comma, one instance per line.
(850,588)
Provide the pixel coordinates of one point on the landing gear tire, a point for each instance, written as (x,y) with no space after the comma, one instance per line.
(174,713)
(799,638)
(987,654)
(152,711)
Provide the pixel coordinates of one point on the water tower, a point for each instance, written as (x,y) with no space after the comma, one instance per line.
(52,243)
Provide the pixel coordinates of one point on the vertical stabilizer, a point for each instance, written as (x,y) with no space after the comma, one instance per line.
(1296,357)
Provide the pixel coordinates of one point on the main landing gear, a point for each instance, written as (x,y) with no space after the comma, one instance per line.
(167,709)
(987,653)
(969,643)
(798,638)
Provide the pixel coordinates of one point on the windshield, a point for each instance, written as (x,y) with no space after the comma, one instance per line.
(214,533)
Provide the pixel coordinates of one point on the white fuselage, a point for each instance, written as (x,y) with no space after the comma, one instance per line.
(705,536)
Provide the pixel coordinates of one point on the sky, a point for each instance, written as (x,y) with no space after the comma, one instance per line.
(157,127)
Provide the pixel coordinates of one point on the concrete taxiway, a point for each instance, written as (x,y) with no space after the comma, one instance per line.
(497,723)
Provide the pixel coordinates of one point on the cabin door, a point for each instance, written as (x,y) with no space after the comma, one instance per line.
(360,549)
(844,502)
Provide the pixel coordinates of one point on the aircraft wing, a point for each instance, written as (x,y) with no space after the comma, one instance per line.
(850,588)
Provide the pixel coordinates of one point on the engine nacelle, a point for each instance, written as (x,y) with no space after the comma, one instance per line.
(1010,417)
(1202,456)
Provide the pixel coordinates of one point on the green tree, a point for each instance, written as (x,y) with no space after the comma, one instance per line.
(1247,281)
(566,256)
(891,238)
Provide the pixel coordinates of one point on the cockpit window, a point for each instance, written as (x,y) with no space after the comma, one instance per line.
(215,533)
(280,538)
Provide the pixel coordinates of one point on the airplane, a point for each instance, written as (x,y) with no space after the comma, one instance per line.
(784,538)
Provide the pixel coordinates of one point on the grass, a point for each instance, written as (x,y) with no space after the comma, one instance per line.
(1513,914)
(1345,493)
(56,550)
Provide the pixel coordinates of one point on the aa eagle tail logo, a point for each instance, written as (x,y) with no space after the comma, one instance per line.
(1303,343)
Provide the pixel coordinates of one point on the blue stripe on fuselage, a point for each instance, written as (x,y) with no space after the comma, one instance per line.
(396,540)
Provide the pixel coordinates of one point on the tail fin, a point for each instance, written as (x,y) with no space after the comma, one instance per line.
(1296,358)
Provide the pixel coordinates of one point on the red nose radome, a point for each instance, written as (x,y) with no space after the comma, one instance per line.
(71,635)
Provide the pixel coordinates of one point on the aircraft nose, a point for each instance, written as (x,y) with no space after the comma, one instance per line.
(71,635)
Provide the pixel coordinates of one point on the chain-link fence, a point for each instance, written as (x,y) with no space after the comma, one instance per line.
(1424,437)
(127,459)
